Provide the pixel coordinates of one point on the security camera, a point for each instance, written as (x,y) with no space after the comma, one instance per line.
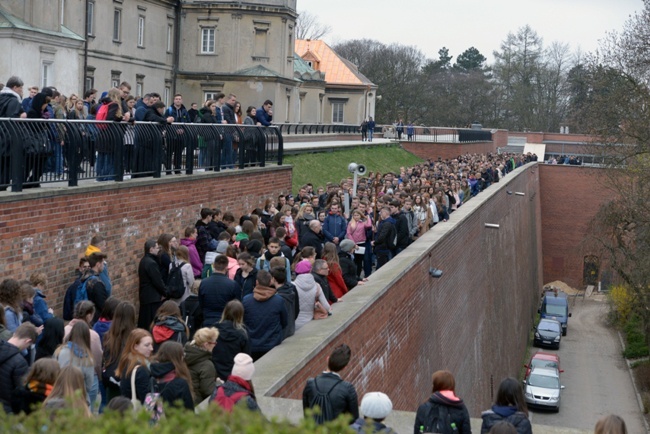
(359,169)
(434,272)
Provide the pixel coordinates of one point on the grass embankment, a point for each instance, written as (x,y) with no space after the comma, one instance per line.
(321,168)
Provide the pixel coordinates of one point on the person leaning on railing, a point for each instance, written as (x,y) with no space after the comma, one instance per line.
(10,107)
(144,138)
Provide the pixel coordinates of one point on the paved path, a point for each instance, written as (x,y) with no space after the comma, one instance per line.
(595,375)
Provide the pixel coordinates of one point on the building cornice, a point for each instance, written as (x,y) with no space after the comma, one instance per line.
(40,38)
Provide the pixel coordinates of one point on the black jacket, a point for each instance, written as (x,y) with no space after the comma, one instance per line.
(289,294)
(402,228)
(343,396)
(27,400)
(96,291)
(214,293)
(13,368)
(215,228)
(247,284)
(152,287)
(10,107)
(142,383)
(508,414)
(385,234)
(228,113)
(348,269)
(311,238)
(457,411)
(174,390)
(231,341)
(325,286)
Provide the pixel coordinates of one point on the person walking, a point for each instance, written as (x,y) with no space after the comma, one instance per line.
(509,406)
(443,407)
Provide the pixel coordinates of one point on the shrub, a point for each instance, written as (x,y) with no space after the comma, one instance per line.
(622,301)
(213,420)
(636,345)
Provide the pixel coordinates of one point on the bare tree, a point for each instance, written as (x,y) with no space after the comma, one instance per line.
(308,27)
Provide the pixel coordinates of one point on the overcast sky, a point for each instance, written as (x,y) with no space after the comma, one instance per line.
(460,24)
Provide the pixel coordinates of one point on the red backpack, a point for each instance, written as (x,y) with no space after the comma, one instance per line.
(102,113)
(228,402)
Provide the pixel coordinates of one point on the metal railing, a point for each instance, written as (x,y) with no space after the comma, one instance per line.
(36,151)
(434,134)
(294,129)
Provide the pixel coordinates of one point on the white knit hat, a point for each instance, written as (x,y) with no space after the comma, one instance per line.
(376,405)
(244,367)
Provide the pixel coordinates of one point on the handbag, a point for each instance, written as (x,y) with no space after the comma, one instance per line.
(319,311)
(137,405)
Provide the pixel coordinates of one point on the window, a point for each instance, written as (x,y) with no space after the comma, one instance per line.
(337,113)
(117,24)
(139,85)
(47,74)
(170,37)
(209,95)
(207,40)
(90,82)
(141,31)
(90,17)
(166,95)
(260,42)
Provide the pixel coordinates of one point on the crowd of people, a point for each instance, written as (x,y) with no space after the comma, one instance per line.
(119,105)
(223,291)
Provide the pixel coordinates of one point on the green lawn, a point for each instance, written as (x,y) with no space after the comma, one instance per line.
(323,167)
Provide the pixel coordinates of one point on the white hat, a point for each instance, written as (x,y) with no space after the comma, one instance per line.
(376,405)
(244,367)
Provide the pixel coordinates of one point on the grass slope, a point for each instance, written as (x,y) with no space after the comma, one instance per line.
(320,168)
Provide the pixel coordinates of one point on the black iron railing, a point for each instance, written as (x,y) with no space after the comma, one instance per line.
(36,151)
(294,129)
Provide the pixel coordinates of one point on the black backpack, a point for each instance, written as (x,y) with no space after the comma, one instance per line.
(175,283)
(323,402)
(438,420)
(192,314)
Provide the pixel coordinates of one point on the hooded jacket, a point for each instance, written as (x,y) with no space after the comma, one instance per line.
(334,226)
(231,341)
(348,270)
(236,384)
(265,317)
(452,404)
(171,388)
(13,368)
(195,259)
(202,371)
(508,414)
(308,290)
(168,329)
(10,103)
(247,283)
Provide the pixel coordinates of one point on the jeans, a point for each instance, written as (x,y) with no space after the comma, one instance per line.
(226,153)
(55,161)
(92,393)
(370,135)
(105,168)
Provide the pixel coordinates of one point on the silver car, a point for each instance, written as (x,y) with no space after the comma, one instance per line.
(542,388)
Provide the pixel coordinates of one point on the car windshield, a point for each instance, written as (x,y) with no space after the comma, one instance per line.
(555,309)
(544,381)
(548,326)
(539,363)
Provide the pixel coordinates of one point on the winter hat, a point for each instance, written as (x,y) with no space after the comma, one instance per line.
(222,246)
(254,247)
(244,367)
(303,267)
(347,245)
(376,405)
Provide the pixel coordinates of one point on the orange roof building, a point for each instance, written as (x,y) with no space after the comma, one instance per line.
(349,95)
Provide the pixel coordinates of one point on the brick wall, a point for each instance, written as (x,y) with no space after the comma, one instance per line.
(447,150)
(571,197)
(49,230)
(404,324)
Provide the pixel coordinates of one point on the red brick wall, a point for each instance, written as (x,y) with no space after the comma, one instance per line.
(50,229)
(447,150)
(474,320)
(571,197)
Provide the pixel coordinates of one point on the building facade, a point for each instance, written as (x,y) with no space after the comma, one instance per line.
(197,48)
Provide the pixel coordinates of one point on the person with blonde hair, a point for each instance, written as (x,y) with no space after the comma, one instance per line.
(610,424)
(69,390)
(198,356)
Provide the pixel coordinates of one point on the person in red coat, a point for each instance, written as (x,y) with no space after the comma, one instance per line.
(335,277)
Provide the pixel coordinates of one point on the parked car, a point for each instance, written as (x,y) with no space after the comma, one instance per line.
(542,388)
(548,333)
(555,305)
(542,359)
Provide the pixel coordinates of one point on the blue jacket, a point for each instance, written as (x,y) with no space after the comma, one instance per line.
(140,110)
(179,115)
(214,293)
(13,319)
(334,225)
(40,306)
(263,117)
(265,318)
(101,327)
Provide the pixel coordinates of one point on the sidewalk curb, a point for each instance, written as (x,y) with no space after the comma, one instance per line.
(636,389)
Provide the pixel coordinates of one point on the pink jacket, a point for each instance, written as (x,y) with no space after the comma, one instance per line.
(358,233)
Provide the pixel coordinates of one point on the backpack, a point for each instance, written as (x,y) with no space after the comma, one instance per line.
(175,282)
(82,291)
(439,421)
(192,314)
(68,300)
(227,402)
(101,115)
(323,402)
